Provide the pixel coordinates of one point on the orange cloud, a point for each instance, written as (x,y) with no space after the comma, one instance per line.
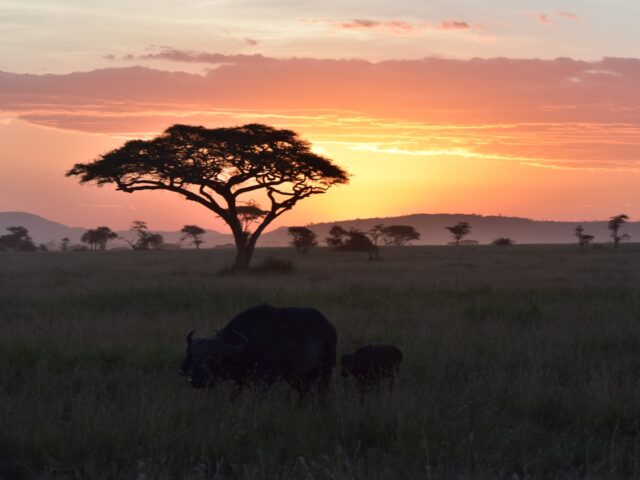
(536,111)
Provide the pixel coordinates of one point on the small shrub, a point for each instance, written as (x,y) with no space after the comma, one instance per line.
(502,242)
(273,265)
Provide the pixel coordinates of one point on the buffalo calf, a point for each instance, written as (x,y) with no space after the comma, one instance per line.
(371,364)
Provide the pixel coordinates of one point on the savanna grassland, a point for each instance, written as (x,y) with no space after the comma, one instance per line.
(521,362)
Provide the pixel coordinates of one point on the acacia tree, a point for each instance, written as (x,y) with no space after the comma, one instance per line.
(302,238)
(399,235)
(18,239)
(146,240)
(583,238)
(219,167)
(353,240)
(375,233)
(64,244)
(614,227)
(98,238)
(195,233)
(459,230)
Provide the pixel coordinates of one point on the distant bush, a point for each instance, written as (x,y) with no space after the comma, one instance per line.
(503,242)
(268,266)
(273,265)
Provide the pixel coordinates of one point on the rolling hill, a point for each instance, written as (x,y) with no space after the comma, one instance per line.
(431,227)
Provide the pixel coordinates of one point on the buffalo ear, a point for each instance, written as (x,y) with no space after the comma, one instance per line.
(189,335)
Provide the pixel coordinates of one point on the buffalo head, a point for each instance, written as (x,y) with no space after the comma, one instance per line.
(209,360)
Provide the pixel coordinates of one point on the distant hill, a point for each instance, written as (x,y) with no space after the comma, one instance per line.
(48,232)
(484,229)
(40,229)
(431,227)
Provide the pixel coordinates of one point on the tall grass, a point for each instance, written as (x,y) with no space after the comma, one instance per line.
(522,361)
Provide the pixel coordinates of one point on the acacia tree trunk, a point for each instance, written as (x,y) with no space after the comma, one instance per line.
(243,258)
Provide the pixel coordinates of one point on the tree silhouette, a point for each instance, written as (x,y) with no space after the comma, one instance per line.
(64,244)
(503,242)
(195,233)
(375,234)
(353,240)
(336,238)
(18,239)
(614,227)
(98,237)
(303,238)
(459,230)
(217,168)
(146,240)
(583,238)
(399,235)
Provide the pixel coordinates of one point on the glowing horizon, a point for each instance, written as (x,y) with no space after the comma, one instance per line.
(477,126)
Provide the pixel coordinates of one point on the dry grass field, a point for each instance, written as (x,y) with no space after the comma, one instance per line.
(521,362)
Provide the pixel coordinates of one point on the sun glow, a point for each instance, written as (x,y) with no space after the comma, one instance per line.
(318,149)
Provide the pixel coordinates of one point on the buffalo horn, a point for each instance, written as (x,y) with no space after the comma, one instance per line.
(246,340)
(189,335)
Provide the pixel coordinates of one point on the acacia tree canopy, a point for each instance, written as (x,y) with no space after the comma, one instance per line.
(217,168)
(195,233)
(459,230)
(302,238)
(614,225)
(400,235)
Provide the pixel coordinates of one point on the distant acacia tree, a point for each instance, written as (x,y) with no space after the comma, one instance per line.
(399,235)
(302,238)
(376,233)
(459,231)
(217,168)
(98,238)
(336,238)
(583,238)
(249,213)
(352,240)
(194,232)
(614,227)
(18,239)
(146,240)
(503,242)
(64,244)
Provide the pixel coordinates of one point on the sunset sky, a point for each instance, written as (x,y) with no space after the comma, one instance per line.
(524,108)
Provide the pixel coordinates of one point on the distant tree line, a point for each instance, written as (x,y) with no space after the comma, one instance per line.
(17,240)
(302,238)
(354,239)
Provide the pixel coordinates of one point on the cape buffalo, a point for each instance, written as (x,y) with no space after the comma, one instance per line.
(370,364)
(264,344)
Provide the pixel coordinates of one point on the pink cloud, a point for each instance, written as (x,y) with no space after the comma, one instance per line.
(188,56)
(585,113)
(251,42)
(569,15)
(396,26)
(543,18)
(453,25)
